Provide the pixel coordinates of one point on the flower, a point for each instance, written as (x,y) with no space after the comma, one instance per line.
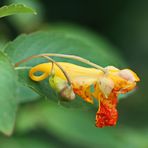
(107,85)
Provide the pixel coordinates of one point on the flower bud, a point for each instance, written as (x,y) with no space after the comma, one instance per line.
(62,87)
(67,93)
(57,83)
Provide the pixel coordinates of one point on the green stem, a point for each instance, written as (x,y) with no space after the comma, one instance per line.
(22,68)
(64,72)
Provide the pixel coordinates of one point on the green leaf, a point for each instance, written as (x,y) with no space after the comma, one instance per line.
(66,40)
(8,100)
(25,142)
(20,22)
(15,9)
(77,125)
(25,94)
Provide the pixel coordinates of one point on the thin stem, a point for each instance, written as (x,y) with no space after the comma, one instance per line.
(52,70)
(64,72)
(22,68)
(63,56)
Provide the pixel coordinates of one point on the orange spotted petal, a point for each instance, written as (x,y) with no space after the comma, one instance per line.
(82,87)
(107,114)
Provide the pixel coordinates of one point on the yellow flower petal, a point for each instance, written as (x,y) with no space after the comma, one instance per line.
(72,70)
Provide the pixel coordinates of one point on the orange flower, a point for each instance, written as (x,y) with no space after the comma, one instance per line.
(106,86)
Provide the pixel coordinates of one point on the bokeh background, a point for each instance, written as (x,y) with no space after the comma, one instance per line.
(124,24)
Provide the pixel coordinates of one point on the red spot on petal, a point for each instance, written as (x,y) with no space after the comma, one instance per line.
(106,115)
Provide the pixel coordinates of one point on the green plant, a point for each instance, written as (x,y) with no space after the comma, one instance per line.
(15,82)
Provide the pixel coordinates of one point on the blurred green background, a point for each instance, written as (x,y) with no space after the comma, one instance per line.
(124,23)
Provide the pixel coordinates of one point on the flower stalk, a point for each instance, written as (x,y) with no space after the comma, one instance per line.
(64,72)
(80,59)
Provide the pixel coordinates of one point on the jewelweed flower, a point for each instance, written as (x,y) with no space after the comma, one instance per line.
(107,85)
